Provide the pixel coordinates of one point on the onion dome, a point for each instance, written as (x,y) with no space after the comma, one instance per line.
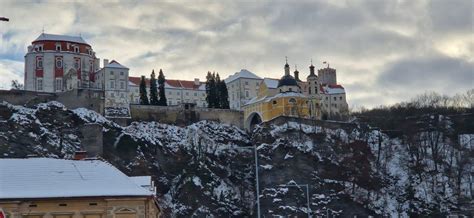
(287,80)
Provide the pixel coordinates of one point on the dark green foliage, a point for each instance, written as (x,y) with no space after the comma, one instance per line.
(161,87)
(153,89)
(143,95)
(216,91)
(210,90)
(222,94)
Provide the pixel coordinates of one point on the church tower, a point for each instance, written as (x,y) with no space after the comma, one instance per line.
(287,83)
(313,82)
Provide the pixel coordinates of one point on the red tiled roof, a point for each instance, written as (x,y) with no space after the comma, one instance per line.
(337,86)
(137,80)
(186,84)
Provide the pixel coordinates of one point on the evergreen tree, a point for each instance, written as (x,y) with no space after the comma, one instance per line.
(223,95)
(217,94)
(209,90)
(161,83)
(153,89)
(143,95)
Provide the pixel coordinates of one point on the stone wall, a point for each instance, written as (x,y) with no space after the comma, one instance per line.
(22,97)
(185,114)
(90,99)
(323,123)
(92,139)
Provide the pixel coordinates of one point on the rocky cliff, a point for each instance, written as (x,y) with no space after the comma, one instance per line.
(208,169)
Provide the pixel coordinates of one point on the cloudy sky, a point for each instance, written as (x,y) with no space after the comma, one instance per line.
(384,51)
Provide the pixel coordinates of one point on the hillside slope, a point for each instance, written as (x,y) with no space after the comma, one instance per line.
(208,168)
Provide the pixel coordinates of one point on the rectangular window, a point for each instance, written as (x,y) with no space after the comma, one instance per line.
(39,63)
(59,84)
(76,49)
(247,94)
(196,94)
(187,93)
(112,84)
(335,98)
(40,84)
(122,85)
(246,82)
(58,47)
(121,73)
(340,98)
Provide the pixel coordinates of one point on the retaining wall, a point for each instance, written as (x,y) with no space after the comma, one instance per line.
(181,115)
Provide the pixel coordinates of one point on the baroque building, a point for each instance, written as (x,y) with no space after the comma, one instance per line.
(326,98)
(286,99)
(60,63)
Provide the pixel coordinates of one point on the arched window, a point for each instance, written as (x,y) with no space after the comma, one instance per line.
(292,101)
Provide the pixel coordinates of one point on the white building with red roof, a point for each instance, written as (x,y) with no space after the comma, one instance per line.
(177,91)
(57,63)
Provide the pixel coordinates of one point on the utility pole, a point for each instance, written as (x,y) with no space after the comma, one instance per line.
(256,176)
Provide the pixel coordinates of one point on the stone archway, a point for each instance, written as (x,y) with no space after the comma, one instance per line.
(252,120)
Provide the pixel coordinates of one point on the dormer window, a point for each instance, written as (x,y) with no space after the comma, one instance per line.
(39,48)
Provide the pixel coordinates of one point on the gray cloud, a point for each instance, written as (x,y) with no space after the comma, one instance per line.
(437,72)
(370,42)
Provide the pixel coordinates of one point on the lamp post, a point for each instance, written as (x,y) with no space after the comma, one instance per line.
(256,176)
(307,195)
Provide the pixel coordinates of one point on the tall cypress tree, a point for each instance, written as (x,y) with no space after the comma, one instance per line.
(161,82)
(223,95)
(217,93)
(143,95)
(209,89)
(153,89)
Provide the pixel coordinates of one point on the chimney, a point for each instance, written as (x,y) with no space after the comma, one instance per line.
(106,61)
(80,155)
(196,81)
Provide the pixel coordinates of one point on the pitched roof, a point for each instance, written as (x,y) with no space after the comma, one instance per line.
(65,38)
(271,83)
(57,178)
(242,74)
(115,64)
(333,89)
(172,83)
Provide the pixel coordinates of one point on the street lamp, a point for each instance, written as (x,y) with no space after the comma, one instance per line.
(307,195)
(256,175)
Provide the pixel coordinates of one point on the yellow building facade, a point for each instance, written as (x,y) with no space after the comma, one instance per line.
(97,207)
(281,97)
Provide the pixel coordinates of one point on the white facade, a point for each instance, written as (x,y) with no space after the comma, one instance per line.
(113,80)
(176,91)
(56,63)
(241,87)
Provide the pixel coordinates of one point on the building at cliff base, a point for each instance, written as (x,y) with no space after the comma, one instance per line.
(47,187)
